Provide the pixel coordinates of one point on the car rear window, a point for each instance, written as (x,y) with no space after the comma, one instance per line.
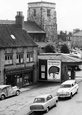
(39,100)
(66,86)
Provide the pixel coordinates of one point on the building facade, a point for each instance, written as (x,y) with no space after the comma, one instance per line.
(44,14)
(18,55)
(76,39)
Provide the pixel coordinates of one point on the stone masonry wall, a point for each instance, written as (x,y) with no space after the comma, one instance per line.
(48,23)
(14,65)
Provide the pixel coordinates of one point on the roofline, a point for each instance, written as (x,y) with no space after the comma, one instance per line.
(42,2)
(19,46)
(36,32)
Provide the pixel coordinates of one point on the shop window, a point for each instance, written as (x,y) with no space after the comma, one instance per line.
(27,79)
(43,68)
(29,57)
(8,59)
(19,58)
(48,12)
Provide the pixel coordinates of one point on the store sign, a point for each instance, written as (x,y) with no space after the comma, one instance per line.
(54,69)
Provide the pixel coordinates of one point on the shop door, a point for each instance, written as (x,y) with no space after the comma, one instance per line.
(19,80)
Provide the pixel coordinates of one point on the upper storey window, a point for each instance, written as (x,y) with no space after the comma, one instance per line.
(48,12)
(34,12)
(8,59)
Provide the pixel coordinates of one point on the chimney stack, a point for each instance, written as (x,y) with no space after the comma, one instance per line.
(20,19)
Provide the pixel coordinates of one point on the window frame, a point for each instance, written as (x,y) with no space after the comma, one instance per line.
(30,57)
(19,58)
(8,59)
(48,12)
(34,12)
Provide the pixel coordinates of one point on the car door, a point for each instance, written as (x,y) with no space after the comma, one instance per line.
(10,90)
(76,87)
(50,101)
(73,88)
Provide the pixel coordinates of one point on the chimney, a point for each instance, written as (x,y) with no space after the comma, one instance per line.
(19,19)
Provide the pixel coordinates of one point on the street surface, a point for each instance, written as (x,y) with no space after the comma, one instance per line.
(67,106)
(19,105)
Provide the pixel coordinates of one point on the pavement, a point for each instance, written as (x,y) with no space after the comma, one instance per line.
(40,84)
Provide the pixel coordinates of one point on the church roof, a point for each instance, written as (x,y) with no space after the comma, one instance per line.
(29,26)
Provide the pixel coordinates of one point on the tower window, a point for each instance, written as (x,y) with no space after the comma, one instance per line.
(34,12)
(48,12)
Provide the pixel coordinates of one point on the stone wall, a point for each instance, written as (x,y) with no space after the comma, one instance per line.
(14,65)
(47,23)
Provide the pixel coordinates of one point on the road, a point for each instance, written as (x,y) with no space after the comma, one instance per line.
(67,106)
(19,105)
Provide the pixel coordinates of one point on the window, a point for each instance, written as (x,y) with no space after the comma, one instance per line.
(49,97)
(34,12)
(29,57)
(19,58)
(48,12)
(8,59)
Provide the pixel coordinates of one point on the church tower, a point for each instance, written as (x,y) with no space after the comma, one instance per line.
(44,14)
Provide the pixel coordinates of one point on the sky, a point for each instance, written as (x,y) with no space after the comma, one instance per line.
(69,12)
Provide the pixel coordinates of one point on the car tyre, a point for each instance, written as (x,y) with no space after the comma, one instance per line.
(17,93)
(47,109)
(2,97)
(77,91)
(71,95)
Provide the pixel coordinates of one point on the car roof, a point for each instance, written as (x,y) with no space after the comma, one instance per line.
(43,96)
(3,86)
(68,82)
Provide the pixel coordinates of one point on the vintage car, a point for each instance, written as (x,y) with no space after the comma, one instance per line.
(67,89)
(8,90)
(44,102)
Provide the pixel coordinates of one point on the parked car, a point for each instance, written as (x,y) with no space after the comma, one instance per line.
(44,102)
(67,89)
(8,90)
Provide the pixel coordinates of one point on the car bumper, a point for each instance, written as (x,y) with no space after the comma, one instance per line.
(63,95)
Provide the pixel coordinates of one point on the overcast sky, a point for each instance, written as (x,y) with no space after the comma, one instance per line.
(69,12)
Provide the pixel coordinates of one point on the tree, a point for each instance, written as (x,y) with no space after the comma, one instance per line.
(64,49)
(49,49)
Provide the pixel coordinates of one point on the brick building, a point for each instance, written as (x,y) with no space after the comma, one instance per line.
(18,55)
(44,14)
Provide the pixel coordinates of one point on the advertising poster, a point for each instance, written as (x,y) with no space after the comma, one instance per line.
(54,70)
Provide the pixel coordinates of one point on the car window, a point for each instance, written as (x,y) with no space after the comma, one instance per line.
(65,86)
(4,90)
(49,97)
(39,100)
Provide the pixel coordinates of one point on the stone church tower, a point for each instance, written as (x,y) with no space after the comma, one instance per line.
(44,14)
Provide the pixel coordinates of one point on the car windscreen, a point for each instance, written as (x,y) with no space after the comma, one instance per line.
(65,86)
(39,100)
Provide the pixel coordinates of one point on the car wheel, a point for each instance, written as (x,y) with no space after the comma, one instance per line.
(47,109)
(2,97)
(17,93)
(77,91)
(70,95)
(55,105)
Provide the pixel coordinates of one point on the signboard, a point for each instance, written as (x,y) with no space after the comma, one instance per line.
(54,70)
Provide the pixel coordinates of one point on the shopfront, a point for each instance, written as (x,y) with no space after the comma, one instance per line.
(55,66)
(19,77)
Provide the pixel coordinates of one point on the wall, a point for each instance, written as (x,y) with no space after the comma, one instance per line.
(14,65)
(48,23)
